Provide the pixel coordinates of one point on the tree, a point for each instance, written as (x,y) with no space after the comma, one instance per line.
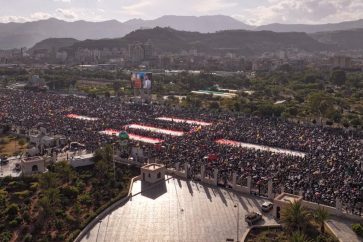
(339,77)
(310,79)
(48,180)
(12,210)
(295,217)
(320,216)
(107,94)
(214,105)
(299,237)
(2,200)
(101,168)
(320,104)
(53,196)
(105,153)
(65,170)
(116,85)
(46,207)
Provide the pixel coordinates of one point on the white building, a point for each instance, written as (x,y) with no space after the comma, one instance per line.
(153,173)
(82,160)
(33,165)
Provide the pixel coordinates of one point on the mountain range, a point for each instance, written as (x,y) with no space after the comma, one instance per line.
(16,35)
(240,42)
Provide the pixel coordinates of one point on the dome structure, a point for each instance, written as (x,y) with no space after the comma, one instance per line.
(123,135)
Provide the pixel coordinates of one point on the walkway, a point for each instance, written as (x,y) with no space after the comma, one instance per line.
(343,229)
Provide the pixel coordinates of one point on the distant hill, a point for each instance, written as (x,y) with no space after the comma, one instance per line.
(54,44)
(346,39)
(16,35)
(242,42)
(203,24)
(309,28)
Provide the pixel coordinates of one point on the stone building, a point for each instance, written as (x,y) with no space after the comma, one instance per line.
(153,173)
(33,165)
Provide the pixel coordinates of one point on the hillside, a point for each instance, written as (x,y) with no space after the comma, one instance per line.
(54,44)
(242,42)
(202,24)
(346,40)
(312,28)
(16,35)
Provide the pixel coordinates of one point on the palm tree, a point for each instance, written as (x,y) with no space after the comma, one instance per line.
(321,215)
(53,195)
(295,217)
(299,237)
(48,180)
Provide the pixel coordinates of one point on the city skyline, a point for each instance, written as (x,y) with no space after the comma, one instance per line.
(247,11)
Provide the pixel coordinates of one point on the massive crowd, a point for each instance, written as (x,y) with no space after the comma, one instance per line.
(332,167)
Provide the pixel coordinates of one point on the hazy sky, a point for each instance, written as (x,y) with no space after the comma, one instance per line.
(249,11)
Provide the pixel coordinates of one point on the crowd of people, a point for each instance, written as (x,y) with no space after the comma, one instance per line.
(330,169)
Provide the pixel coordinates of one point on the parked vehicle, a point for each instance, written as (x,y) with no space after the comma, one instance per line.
(4,161)
(253,218)
(267,206)
(17,167)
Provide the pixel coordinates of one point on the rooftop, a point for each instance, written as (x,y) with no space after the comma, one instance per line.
(32,159)
(153,166)
(288,198)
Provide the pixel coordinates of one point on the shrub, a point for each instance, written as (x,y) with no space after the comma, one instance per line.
(59,224)
(2,201)
(34,186)
(358,229)
(26,217)
(19,219)
(70,192)
(325,238)
(329,122)
(5,236)
(16,186)
(60,237)
(4,141)
(73,235)
(21,142)
(60,213)
(14,223)
(22,195)
(28,237)
(12,210)
(71,221)
(80,185)
(85,199)
(27,200)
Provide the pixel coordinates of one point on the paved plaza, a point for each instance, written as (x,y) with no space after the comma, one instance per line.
(177,210)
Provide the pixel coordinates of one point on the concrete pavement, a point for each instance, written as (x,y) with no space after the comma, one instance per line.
(342,228)
(177,210)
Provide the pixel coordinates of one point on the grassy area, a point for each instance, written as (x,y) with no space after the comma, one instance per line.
(57,205)
(266,234)
(10,146)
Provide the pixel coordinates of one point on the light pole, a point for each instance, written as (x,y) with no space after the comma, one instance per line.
(113,161)
(98,231)
(237,229)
